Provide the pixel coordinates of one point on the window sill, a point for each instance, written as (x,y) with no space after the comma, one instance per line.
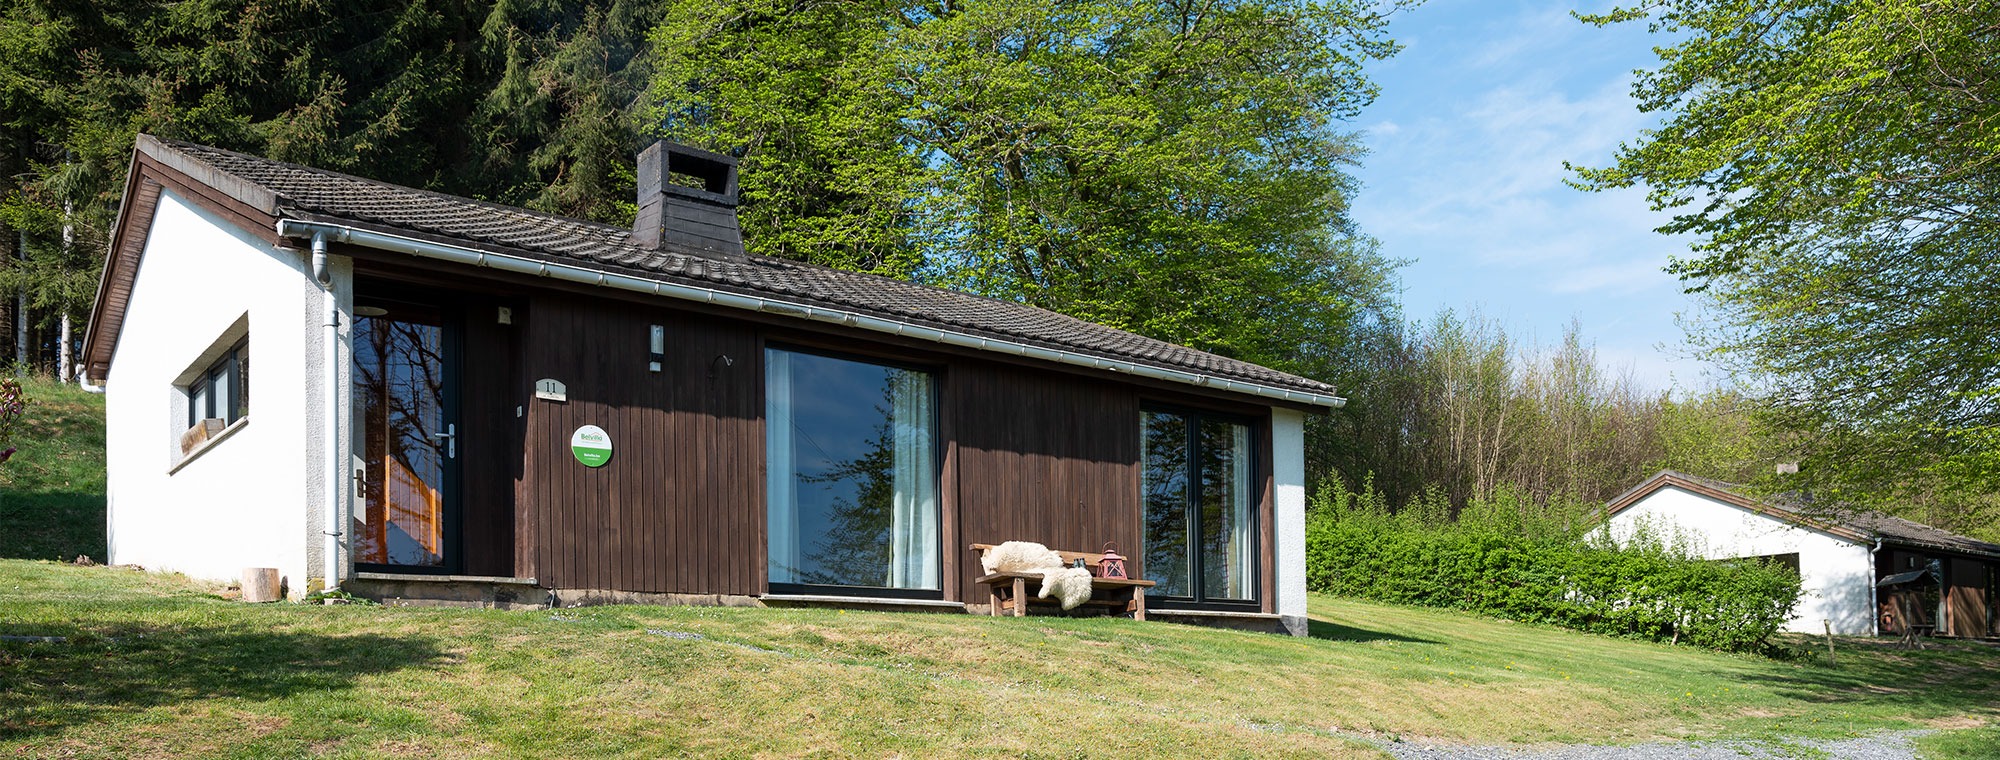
(1218,614)
(209,444)
(498,580)
(859,602)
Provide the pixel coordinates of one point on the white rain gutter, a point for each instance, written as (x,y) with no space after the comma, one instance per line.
(520,265)
(330,377)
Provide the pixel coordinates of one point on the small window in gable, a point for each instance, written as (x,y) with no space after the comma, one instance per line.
(212,395)
(222,391)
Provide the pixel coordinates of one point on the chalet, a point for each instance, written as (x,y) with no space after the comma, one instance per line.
(1863,572)
(409,394)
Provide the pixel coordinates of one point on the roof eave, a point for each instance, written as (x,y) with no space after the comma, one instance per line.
(1888,540)
(299,228)
(1667,478)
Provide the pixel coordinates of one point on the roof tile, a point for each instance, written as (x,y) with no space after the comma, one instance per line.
(306,192)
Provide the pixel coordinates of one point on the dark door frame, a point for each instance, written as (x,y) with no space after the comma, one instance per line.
(1199,598)
(451,328)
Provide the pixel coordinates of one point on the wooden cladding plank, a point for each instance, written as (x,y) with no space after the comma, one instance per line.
(108,316)
(1027,454)
(668,512)
(489,441)
(1965,599)
(250,219)
(1267,543)
(1041,457)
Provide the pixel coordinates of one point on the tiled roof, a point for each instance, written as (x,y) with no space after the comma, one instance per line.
(309,194)
(1802,509)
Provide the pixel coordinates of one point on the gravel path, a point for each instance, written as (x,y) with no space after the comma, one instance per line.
(1892,745)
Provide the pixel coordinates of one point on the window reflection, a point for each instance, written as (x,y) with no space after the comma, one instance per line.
(399,379)
(852,473)
(1200,539)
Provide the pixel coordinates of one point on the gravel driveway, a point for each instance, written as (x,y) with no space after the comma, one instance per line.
(1893,745)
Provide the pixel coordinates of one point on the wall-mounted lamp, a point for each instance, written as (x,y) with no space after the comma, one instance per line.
(659,348)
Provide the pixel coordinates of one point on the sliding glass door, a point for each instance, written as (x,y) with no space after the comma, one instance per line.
(851,473)
(1199,479)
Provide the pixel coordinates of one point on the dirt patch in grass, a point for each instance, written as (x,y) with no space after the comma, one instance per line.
(1955,722)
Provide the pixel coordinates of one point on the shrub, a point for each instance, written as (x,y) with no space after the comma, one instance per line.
(1535,565)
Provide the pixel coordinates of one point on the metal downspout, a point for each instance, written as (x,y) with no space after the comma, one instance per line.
(1874,594)
(330,381)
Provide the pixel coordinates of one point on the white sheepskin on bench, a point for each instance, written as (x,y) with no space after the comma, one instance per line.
(1019,557)
(1070,585)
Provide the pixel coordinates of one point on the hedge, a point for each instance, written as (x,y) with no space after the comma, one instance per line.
(1648,591)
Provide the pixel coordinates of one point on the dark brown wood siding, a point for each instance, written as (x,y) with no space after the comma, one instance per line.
(679,508)
(1028,453)
(1041,456)
(489,436)
(1965,598)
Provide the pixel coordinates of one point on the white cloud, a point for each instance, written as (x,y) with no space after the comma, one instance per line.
(1467,178)
(1623,277)
(1511,39)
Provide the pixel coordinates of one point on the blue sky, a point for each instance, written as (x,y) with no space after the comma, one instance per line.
(1465,179)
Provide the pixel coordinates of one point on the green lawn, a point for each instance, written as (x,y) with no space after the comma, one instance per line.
(160,666)
(52,490)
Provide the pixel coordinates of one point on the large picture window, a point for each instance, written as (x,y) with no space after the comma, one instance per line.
(852,473)
(1198,478)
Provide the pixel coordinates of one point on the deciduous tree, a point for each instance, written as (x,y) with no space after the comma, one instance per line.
(1174,168)
(1837,163)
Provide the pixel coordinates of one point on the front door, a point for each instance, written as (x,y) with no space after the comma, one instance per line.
(404,382)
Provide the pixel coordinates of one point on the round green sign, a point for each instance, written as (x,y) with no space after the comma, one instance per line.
(591,445)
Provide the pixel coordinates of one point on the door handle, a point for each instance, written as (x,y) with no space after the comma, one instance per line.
(450,436)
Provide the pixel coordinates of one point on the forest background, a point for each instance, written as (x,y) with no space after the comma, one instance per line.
(1178,169)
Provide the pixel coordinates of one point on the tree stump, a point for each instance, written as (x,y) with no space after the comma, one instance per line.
(261,584)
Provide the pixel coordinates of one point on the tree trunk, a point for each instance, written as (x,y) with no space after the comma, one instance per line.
(21,306)
(63,369)
(7,313)
(62,345)
(261,584)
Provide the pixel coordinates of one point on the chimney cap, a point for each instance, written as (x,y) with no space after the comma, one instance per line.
(687,196)
(660,162)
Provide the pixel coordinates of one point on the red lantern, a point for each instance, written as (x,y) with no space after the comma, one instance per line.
(1112,566)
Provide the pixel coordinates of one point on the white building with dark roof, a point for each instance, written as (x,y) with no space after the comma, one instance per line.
(1862,572)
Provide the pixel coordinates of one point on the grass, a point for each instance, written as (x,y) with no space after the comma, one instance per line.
(1975,744)
(160,666)
(52,490)
(153,665)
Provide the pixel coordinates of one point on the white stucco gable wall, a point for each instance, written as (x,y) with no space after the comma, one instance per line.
(1836,574)
(1288,503)
(242,502)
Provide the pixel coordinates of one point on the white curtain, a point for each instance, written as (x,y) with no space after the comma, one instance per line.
(781,515)
(1242,547)
(913,521)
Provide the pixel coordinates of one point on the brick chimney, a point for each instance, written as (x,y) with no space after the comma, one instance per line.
(687,196)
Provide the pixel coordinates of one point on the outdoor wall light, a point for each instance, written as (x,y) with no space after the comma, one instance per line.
(659,348)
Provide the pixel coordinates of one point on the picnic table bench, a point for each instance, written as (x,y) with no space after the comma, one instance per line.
(1009,590)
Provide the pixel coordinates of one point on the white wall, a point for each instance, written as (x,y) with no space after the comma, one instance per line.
(1288,480)
(243,502)
(1837,574)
